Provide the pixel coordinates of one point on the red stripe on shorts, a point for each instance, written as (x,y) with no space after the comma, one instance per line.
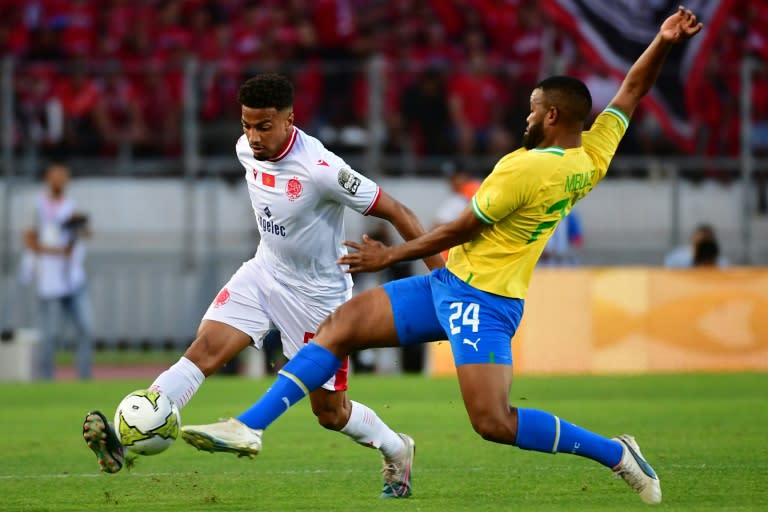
(342,376)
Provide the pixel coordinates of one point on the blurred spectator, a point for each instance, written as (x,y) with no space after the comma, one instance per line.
(760,111)
(136,46)
(77,22)
(498,18)
(463,188)
(55,260)
(158,98)
(79,94)
(117,112)
(307,73)
(39,112)
(249,29)
(14,33)
(424,108)
(708,116)
(760,130)
(436,51)
(452,15)
(45,45)
(169,34)
(706,253)
(683,257)
(477,102)
(526,49)
(503,42)
(336,24)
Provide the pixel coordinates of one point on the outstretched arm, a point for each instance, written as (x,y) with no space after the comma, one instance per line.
(679,27)
(372,255)
(406,223)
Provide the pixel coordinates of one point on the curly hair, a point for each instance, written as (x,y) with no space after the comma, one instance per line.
(268,90)
(570,95)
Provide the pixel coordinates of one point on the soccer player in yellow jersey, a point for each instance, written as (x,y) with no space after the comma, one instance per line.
(477,301)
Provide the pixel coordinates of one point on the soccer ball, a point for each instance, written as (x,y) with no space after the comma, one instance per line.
(147,422)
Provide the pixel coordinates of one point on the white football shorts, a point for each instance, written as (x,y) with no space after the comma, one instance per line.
(253,301)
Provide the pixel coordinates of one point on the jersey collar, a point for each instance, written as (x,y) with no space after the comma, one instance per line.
(287,147)
(555,150)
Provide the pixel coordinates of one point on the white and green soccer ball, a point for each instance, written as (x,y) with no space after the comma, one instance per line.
(147,422)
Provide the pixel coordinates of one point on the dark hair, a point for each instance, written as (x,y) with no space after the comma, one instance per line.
(706,252)
(705,230)
(570,96)
(268,90)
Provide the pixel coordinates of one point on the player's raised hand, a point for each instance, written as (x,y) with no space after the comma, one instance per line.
(371,256)
(680,26)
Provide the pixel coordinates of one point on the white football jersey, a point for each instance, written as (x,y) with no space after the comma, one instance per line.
(299,198)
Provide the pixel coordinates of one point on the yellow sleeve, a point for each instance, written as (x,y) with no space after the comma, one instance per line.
(604,136)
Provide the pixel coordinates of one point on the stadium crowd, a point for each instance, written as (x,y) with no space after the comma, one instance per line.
(94,76)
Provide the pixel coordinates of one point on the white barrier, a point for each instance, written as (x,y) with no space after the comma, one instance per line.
(19,355)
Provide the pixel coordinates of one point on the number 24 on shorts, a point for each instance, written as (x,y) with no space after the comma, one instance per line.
(468,313)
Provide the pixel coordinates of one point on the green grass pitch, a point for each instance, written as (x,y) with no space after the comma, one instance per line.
(706,435)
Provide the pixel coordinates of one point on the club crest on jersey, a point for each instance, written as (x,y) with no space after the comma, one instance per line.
(221,299)
(348,181)
(293,189)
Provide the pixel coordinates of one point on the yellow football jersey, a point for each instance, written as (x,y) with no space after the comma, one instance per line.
(522,201)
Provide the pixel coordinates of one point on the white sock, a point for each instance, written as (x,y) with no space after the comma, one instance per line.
(366,428)
(180,381)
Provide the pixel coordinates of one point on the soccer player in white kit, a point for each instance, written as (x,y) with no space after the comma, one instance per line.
(298,190)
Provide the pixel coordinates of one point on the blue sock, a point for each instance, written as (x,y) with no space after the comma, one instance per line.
(544,432)
(307,371)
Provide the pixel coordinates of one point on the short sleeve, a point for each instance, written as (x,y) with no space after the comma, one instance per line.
(339,182)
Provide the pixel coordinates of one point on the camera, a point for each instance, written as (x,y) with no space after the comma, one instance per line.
(76,223)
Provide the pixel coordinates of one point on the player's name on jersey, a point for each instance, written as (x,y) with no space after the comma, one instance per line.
(579,180)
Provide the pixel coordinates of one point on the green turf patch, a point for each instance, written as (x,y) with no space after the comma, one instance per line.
(704,434)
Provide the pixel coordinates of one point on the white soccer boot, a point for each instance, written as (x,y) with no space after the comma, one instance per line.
(397,471)
(231,436)
(634,469)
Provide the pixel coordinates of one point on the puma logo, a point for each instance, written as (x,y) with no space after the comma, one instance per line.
(471,343)
(287,403)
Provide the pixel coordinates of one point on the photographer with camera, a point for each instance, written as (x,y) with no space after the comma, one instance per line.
(55,259)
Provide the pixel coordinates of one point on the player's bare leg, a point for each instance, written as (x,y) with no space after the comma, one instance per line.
(375,328)
(485,389)
(366,321)
(335,411)
(215,345)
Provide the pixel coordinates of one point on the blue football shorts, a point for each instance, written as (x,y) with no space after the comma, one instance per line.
(439,306)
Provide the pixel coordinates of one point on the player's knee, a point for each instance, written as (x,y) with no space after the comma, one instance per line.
(334,335)
(494,427)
